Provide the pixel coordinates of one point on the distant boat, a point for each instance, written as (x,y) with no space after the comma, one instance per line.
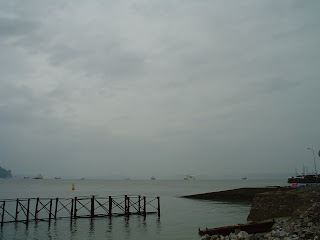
(189,177)
(38,177)
(153,178)
(26,177)
(82,178)
(310,178)
(243,178)
(57,178)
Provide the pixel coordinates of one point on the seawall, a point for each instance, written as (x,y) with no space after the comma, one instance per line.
(240,194)
(278,204)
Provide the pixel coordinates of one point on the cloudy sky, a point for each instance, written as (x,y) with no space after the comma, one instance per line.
(164,88)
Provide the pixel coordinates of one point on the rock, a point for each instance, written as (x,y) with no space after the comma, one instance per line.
(282,233)
(206,237)
(243,235)
(237,231)
(232,236)
(214,237)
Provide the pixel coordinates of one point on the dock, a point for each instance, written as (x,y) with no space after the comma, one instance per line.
(47,209)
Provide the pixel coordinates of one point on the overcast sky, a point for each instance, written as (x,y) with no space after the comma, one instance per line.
(164,88)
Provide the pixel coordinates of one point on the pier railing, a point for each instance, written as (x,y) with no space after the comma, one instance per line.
(46,209)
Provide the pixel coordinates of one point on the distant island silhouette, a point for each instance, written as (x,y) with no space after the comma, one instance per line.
(5,173)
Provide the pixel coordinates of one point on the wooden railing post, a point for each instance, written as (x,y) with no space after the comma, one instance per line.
(56,209)
(92,207)
(158,206)
(50,210)
(128,205)
(125,205)
(139,204)
(17,212)
(28,210)
(110,206)
(36,211)
(144,206)
(75,207)
(3,211)
(71,210)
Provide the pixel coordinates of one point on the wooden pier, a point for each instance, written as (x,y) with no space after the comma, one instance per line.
(46,209)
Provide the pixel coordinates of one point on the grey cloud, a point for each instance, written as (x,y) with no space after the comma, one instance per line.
(16,27)
(176,87)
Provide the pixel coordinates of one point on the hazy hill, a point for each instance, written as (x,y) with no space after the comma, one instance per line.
(5,173)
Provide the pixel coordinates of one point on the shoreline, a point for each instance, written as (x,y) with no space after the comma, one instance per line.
(296,212)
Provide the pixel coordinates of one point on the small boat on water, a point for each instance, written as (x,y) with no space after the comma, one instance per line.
(38,177)
(244,178)
(189,177)
(249,228)
(153,178)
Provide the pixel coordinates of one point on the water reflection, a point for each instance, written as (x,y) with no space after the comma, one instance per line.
(158,226)
(26,230)
(127,226)
(73,229)
(91,229)
(124,227)
(109,229)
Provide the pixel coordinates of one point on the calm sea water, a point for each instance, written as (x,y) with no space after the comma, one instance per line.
(180,217)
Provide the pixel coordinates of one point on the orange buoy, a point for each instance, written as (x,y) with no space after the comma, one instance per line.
(73,188)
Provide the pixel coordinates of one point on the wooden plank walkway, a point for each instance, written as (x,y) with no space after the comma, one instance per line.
(46,209)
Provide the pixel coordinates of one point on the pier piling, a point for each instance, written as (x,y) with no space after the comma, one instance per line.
(28,211)
(17,212)
(3,211)
(50,211)
(110,206)
(56,209)
(158,206)
(144,206)
(92,207)
(75,207)
(36,211)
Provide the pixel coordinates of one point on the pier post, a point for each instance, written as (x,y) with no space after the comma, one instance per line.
(139,204)
(92,207)
(125,205)
(36,211)
(50,211)
(110,206)
(56,209)
(28,210)
(3,211)
(144,206)
(128,205)
(158,206)
(17,212)
(75,207)
(71,210)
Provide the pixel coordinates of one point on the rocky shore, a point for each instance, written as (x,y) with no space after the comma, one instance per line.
(302,220)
